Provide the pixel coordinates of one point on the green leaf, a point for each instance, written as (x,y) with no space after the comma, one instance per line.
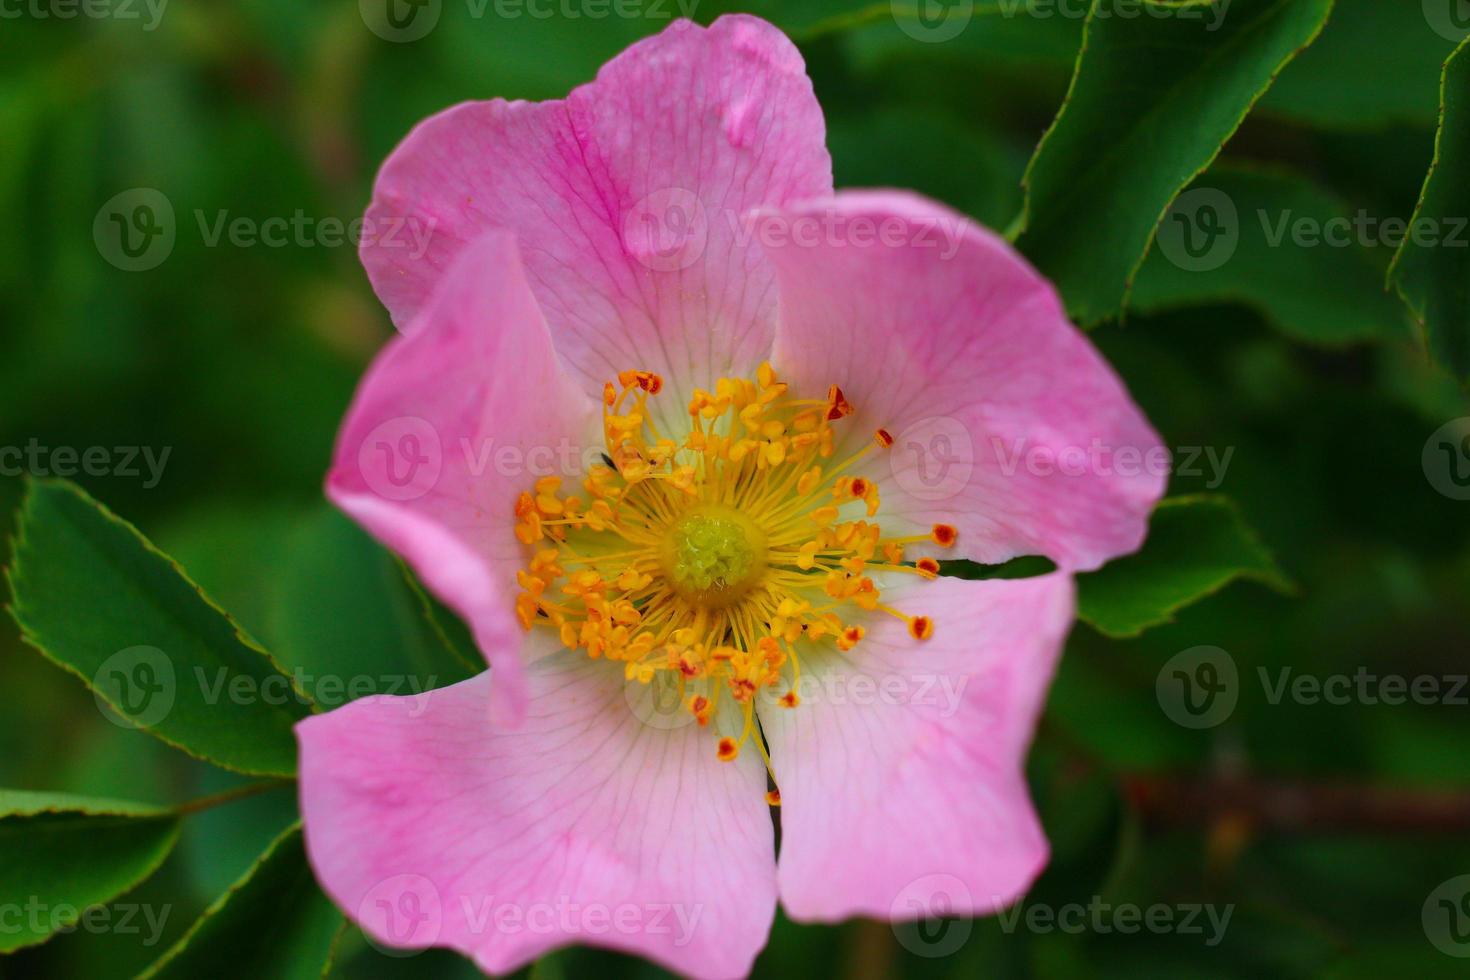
(229,550)
(915,147)
(357,958)
(221,843)
(447,625)
(1273,241)
(1376,64)
(552,966)
(1434,279)
(1153,99)
(1007,34)
(62,854)
(1027,566)
(802,20)
(347,616)
(93,595)
(1196,546)
(273,922)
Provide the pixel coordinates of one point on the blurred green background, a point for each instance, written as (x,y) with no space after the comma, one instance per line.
(241,361)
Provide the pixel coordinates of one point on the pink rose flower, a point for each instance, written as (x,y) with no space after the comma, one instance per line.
(681,434)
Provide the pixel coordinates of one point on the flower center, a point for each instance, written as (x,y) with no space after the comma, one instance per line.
(715,561)
(713,555)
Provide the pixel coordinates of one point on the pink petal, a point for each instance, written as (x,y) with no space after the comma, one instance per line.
(913,774)
(938,332)
(450,425)
(626,198)
(429,824)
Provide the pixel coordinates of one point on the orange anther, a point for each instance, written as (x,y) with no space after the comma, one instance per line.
(837,404)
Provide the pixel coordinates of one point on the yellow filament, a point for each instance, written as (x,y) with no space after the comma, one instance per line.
(715,557)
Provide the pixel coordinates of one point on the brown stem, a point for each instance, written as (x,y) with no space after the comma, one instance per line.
(1294,806)
(229,796)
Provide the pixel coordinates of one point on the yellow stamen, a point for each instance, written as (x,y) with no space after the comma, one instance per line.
(713,560)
